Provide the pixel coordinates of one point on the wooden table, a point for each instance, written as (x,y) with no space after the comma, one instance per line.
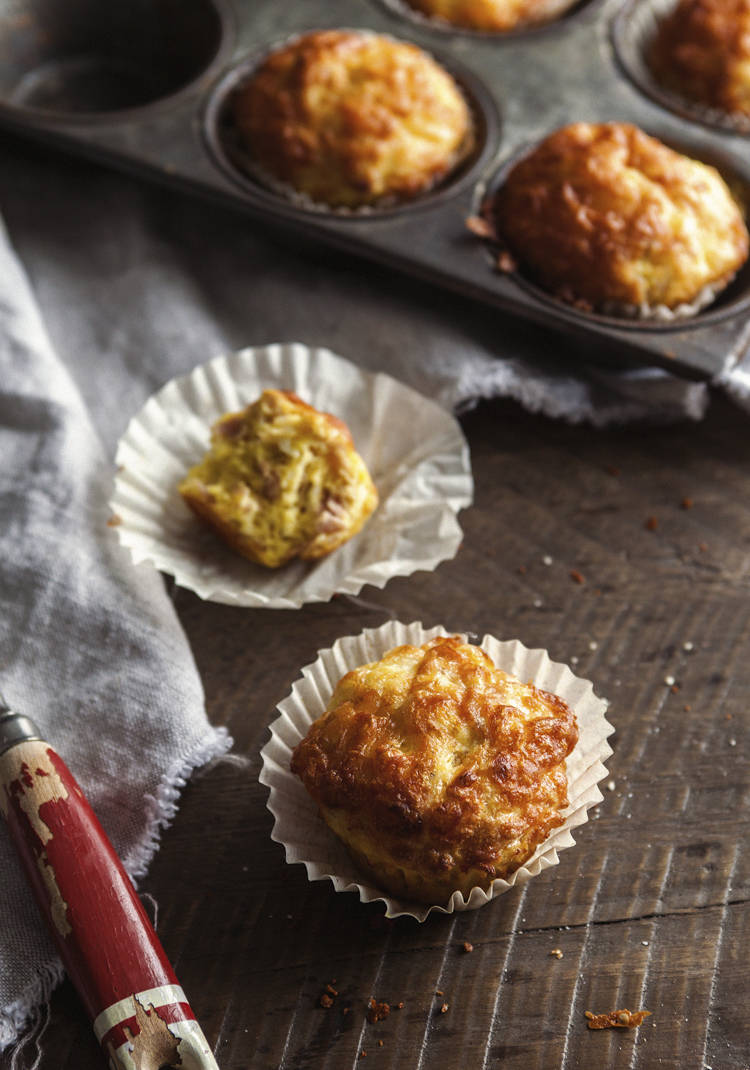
(625,553)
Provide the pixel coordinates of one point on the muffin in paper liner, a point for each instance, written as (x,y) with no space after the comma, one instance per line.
(414,449)
(307,839)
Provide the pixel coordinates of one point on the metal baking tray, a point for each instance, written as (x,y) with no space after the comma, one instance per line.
(140,85)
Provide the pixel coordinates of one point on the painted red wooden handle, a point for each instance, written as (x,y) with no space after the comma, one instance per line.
(105,939)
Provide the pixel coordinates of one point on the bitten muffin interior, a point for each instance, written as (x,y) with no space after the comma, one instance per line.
(352,118)
(281,480)
(438,771)
(603,214)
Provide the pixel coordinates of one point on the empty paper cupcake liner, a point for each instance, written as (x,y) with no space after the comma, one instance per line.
(307,839)
(413,448)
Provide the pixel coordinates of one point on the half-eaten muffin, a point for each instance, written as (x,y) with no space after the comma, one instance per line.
(281,480)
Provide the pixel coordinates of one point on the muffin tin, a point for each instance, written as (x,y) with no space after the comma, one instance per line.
(144,87)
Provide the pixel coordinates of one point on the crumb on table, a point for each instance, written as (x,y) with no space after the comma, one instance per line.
(624,1018)
(377,1011)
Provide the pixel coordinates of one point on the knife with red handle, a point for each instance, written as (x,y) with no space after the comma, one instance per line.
(108,946)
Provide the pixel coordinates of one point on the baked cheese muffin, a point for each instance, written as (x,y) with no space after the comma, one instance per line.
(602,214)
(353,118)
(702,51)
(492,16)
(281,480)
(438,771)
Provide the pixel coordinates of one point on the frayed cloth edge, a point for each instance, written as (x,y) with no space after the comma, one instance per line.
(161,808)
(29,1010)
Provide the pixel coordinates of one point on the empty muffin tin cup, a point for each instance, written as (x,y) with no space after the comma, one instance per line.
(80,58)
(710,305)
(236,160)
(307,839)
(633,33)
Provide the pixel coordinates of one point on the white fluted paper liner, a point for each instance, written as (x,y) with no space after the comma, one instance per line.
(307,839)
(414,449)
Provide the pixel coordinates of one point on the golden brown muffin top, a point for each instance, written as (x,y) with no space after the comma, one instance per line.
(281,480)
(702,51)
(601,212)
(350,118)
(440,762)
(492,16)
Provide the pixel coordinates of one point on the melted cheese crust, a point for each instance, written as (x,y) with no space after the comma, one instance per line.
(603,213)
(702,50)
(493,16)
(352,118)
(281,480)
(438,771)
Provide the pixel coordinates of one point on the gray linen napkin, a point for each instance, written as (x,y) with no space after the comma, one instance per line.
(90,647)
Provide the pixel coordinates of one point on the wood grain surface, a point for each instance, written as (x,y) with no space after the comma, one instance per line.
(625,553)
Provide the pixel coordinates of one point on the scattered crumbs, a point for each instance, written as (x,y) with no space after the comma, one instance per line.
(577,576)
(346,1010)
(645,943)
(651,524)
(114,520)
(444,1008)
(363,1055)
(331,990)
(546,560)
(687,646)
(467,946)
(728,717)
(669,681)
(593,645)
(574,660)
(624,1018)
(556,953)
(376,1012)
(687,503)
(438,992)
(399,1006)
(688,707)
(537,603)
(732,742)
(326,1001)
(380,1043)
(675,688)
(612,469)
(521,570)
(611,785)
(703,547)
